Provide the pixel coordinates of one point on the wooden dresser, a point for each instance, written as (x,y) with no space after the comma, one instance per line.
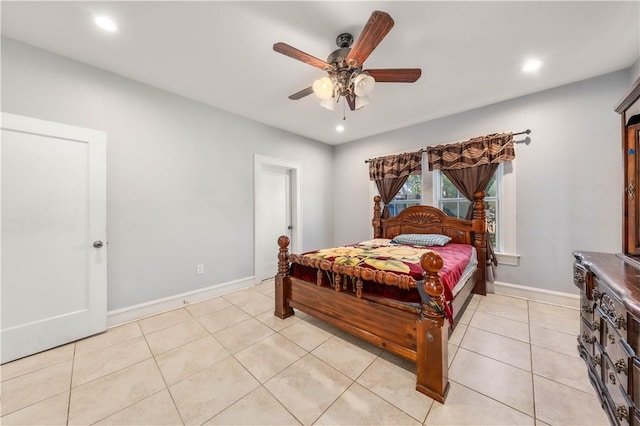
(610,330)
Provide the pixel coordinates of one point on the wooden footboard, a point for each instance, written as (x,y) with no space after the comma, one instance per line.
(418,333)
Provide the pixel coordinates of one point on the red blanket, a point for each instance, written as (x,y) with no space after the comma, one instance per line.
(400,259)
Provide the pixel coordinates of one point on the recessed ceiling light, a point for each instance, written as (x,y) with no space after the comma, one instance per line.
(105,23)
(339,128)
(532,65)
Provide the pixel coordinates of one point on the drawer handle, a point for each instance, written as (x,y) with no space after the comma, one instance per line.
(578,277)
(596,360)
(621,366)
(587,339)
(612,338)
(596,326)
(587,308)
(622,412)
(631,190)
(612,378)
(620,322)
(595,294)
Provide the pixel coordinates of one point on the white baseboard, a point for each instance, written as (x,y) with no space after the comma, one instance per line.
(537,294)
(154,307)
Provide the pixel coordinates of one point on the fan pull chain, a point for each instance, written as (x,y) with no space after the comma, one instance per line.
(344,109)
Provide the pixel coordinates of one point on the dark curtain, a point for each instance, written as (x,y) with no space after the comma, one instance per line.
(391,172)
(470,166)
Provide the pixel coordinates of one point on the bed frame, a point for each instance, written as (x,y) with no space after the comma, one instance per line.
(416,331)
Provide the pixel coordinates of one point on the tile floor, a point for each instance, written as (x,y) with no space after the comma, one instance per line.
(229,361)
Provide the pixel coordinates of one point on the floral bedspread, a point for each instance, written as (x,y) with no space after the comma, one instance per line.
(402,259)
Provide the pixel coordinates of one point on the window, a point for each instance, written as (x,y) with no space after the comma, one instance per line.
(409,195)
(453,203)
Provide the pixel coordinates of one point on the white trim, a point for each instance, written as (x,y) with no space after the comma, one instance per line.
(537,294)
(154,307)
(508,259)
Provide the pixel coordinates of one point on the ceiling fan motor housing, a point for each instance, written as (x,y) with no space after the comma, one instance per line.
(344,40)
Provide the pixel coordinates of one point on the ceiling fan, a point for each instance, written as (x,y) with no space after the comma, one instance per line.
(345,76)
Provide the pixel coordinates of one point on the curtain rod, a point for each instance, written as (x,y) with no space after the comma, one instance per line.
(524,132)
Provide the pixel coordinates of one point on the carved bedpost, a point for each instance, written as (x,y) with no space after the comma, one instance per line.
(283,283)
(431,334)
(377,215)
(480,240)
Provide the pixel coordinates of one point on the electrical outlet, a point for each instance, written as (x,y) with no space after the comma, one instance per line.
(199,269)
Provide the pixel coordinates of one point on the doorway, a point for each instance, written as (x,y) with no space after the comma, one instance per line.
(277,211)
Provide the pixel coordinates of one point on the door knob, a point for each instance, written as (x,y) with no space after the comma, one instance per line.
(98,244)
(289,227)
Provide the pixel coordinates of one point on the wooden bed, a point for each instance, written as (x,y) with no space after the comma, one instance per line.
(416,331)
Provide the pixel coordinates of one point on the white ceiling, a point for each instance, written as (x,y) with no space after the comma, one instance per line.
(220,53)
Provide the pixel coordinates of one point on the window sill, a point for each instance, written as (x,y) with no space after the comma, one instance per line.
(508,259)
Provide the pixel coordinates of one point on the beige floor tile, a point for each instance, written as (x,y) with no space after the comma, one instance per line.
(505,307)
(359,406)
(107,395)
(467,407)
(277,324)
(504,300)
(207,306)
(242,335)
(36,386)
(251,301)
(554,340)
(175,336)
(565,369)
(259,408)
(394,380)
(510,351)
(502,382)
(164,320)
(467,315)
(307,388)
(565,320)
(306,335)
(111,337)
(451,353)
(458,334)
(37,361)
(345,356)
(267,287)
(207,393)
(323,325)
(223,318)
(157,409)
(269,356)
(52,411)
(557,404)
(100,363)
(502,326)
(186,360)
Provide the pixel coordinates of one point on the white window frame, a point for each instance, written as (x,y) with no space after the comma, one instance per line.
(505,249)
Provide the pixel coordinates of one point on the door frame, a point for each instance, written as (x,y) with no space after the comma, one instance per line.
(295,169)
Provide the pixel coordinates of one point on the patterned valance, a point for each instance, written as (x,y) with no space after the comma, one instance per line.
(395,166)
(490,149)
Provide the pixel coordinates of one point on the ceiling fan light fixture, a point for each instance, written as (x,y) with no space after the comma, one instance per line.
(362,101)
(363,84)
(329,104)
(323,88)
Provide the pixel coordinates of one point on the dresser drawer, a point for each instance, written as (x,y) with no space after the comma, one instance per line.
(580,278)
(621,406)
(619,354)
(612,307)
(586,307)
(587,337)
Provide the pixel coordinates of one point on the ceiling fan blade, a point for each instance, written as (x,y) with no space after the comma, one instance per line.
(301,94)
(376,28)
(351,100)
(294,53)
(395,75)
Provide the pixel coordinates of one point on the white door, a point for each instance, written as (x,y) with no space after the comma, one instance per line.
(53,228)
(276,202)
